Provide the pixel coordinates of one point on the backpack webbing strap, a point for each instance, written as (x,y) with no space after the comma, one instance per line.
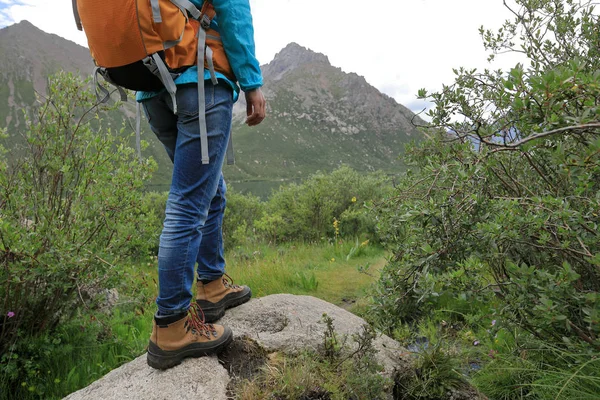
(76,15)
(101,89)
(172,43)
(187,5)
(211,65)
(201,97)
(157,66)
(156,17)
(138,129)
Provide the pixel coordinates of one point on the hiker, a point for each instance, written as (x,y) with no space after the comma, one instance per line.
(196,203)
(183,57)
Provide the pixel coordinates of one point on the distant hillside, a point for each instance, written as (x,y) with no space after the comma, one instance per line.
(28,56)
(318,116)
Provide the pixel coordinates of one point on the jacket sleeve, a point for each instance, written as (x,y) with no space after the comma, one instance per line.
(234,21)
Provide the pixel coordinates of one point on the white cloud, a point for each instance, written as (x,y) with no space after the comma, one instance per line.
(398,46)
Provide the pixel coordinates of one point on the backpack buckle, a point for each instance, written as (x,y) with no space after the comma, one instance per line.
(205,22)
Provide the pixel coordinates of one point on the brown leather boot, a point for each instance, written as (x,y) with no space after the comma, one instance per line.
(177,337)
(217,296)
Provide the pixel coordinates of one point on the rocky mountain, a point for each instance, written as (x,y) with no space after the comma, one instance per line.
(319,117)
(27,56)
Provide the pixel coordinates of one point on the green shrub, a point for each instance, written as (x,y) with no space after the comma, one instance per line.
(70,209)
(507,191)
(240,215)
(307,211)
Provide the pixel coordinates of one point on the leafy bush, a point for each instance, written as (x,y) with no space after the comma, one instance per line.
(69,211)
(307,211)
(240,215)
(507,191)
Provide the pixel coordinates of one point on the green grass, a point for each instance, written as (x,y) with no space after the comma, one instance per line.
(75,355)
(96,342)
(317,270)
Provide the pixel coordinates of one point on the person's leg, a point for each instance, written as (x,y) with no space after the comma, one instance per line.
(215,292)
(179,330)
(211,260)
(193,187)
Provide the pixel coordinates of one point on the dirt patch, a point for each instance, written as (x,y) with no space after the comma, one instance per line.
(316,394)
(347,304)
(243,359)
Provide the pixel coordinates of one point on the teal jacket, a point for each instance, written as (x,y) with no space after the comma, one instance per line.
(234,24)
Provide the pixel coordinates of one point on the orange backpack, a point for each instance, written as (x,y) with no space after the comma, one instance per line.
(146,44)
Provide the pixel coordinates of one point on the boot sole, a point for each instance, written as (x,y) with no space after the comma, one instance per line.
(214,311)
(161,359)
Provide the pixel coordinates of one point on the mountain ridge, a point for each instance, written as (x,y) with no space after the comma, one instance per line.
(319,117)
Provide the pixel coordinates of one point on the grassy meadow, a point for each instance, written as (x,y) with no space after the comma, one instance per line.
(99,340)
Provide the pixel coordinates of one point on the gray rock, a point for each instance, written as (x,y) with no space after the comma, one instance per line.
(289,323)
(199,379)
(283,322)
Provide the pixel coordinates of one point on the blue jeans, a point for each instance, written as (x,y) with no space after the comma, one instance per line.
(196,203)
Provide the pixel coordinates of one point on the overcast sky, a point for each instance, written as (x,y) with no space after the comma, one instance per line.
(399,46)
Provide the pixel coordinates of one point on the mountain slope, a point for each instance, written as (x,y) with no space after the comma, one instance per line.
(28,56)
(318,116)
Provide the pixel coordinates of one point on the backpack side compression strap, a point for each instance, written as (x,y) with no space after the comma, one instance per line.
(76,15)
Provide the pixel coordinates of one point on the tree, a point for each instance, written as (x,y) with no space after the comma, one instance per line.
(504,204)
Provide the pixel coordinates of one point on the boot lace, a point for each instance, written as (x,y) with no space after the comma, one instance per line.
(197,324)
(228,282)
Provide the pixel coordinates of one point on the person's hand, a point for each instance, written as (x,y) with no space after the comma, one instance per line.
(255,107)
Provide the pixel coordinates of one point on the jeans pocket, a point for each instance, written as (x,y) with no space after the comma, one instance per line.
(187,100)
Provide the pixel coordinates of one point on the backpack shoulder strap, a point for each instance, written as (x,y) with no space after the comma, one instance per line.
(76,15)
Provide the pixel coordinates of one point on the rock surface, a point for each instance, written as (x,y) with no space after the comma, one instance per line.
(289,323)
(281,322)
(200,379)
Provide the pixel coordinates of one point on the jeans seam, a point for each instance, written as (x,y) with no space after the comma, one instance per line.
(222,214)
(183,287)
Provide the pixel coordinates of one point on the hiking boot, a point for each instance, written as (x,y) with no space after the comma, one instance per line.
(184,335)
(216,296)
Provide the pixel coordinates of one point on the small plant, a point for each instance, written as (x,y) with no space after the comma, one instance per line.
(308,282)
(332,346)
(357,250)
(434,375)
